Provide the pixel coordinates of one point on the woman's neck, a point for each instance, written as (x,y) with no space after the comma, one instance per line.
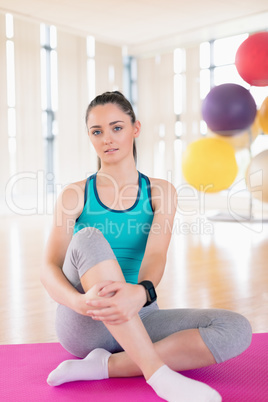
(123,174)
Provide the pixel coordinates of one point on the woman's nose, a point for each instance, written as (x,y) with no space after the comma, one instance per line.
(107,138)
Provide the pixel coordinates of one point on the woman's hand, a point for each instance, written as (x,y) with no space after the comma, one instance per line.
(78,302)
(115,302)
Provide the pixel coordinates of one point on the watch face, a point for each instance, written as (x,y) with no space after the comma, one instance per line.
(152,294)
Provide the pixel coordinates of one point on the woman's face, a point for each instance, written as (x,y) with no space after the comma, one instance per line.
(112,132)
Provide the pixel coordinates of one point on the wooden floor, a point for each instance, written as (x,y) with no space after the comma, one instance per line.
(210,264)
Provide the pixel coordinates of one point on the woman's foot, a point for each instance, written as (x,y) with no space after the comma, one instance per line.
(92,367)
(174,387)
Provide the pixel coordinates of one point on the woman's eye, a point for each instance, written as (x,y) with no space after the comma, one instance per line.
(96,132)
(117,128)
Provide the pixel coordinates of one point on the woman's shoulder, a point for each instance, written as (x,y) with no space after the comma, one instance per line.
(74,189)
(71,197)
(161,184)
(163,194)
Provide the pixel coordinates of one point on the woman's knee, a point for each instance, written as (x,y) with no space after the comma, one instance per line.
(89,237)
(89,247)
(235,335)
(245,331)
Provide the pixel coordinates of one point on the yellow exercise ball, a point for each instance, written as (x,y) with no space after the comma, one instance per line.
(257,176)
(209,164)
(263,116)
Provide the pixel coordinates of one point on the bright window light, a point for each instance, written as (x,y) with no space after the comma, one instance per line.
(54,80)
(91,46)
(203,127)
(178,129)
(9,26)
(162,130)
(204,83)
(225,49)
(204,55)
(134,91)
(179,61)
(43,35)
(134,69)
(53,37)
(10,73)
(228,74)
(43,80)
(91,78)
(259,94)
(178,93)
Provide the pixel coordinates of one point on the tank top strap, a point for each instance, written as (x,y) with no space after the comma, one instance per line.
(146,188)
(87,188)
(144,191)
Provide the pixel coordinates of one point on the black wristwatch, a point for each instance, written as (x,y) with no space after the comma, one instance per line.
(150,292)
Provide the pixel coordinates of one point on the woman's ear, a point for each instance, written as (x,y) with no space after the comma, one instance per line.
(137,128)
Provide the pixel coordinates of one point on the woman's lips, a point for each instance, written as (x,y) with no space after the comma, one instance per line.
(111,150)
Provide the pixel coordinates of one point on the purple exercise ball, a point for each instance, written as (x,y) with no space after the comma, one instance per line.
(229,109)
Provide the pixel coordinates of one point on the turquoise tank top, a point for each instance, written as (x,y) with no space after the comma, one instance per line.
(125,230)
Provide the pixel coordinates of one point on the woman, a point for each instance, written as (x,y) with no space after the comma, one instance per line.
(106,255)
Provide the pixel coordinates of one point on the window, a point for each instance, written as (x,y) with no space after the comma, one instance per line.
(49,96)
(91,78)
(179,82)
(130,77)
(179,66)
(11,93)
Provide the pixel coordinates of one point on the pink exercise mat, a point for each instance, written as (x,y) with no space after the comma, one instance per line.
(24,369)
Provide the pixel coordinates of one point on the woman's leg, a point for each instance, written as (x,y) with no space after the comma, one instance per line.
(134,339)
(183,350)
(131,335)
(190,338)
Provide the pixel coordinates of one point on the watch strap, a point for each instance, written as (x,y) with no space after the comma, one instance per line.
(150,292)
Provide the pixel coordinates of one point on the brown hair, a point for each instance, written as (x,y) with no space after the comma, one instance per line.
(118,99)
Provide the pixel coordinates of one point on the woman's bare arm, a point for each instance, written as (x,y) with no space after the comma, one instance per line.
(164,200)
(68,207)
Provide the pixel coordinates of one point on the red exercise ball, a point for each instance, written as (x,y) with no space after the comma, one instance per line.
(252,59)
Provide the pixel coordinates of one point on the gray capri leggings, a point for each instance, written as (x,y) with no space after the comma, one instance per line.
(226,334)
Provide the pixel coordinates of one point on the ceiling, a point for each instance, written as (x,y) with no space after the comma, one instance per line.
(146,25)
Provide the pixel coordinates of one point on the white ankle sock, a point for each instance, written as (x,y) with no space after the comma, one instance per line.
(174,387)
(93,367)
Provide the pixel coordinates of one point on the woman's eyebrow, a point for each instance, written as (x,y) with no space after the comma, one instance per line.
(110,124)
(114,122)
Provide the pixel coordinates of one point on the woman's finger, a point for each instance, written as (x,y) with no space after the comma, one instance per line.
(110,288)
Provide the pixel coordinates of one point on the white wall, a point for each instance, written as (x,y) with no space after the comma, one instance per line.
(73,158)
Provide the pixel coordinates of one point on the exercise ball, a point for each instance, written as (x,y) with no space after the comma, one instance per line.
(257,176)
(263,116)
(209,164)
(229,109)
(251,59)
